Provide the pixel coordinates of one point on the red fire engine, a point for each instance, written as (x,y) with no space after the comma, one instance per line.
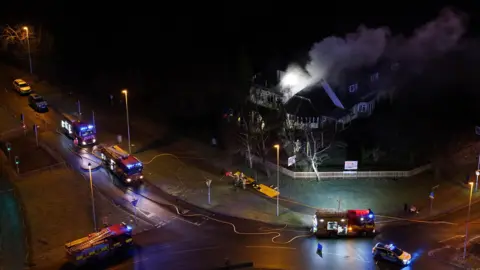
(99,244)
(344,223)
(125,166)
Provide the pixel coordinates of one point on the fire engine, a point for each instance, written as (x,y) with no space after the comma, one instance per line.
(99,244)
(77,130)
(125,166)
(344,223)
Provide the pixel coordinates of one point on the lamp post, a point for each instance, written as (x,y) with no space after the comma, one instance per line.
(93,199)
(28,45)
(277,146)
(477,173)
(468,221)
(125,92)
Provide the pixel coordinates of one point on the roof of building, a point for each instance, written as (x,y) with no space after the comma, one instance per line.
(314,101)
(310,102)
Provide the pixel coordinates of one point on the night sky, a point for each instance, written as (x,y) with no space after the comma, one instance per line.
(190,49)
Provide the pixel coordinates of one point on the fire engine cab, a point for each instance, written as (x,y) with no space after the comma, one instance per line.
(82,132)
(99,244)
(125,166)
(344,223)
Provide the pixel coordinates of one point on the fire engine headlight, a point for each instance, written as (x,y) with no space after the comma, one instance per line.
(94,141)
(141,177)
(129,180)
(84,143)
(361,219)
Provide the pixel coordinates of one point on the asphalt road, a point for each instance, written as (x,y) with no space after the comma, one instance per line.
(200,242)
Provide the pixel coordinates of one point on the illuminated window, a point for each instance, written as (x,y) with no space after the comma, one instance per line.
(353,88)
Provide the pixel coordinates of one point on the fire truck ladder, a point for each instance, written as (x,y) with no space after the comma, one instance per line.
(116,152)
(100,236)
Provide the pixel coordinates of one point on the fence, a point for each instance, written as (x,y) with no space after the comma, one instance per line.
(344,174)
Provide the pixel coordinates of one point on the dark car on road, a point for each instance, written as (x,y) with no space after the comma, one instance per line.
(37,103)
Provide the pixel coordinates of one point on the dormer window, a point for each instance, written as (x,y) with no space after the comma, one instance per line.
(394,66)
(353,88)
(374,77)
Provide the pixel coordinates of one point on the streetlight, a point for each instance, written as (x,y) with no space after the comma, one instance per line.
(468,221)
(477,173)
(277,146)
(125,92)
(93,199)
(28,45)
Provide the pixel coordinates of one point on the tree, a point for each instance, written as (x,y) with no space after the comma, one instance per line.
(308,140)
(18,35)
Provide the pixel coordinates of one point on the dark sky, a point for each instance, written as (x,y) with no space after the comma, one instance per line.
(198,32)
(172,43)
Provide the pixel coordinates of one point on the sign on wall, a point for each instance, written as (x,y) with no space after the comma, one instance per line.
(291,160)
(351,165)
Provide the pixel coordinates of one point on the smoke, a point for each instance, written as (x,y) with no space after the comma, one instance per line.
(332,55)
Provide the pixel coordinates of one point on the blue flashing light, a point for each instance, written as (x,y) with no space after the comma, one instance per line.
(83,128)
(129,228)
(90,126)
(370,216)
(135,165)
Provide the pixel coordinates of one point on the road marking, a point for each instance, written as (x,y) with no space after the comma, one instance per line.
(450,238)
(192,250)
(271,247)
(140,260)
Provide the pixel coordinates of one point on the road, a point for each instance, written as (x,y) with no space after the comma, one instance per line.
(198,240)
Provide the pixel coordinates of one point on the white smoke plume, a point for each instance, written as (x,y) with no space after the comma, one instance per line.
(366,46)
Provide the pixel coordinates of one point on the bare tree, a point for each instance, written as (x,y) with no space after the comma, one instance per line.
(18,35)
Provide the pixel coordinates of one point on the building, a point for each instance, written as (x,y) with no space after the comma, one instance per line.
(356,95)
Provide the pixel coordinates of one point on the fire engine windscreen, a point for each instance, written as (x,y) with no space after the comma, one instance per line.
(134,168)
(86,130)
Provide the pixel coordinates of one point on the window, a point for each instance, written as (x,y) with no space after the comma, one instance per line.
(353,88)
(374,77)
(394,66)
(362,107)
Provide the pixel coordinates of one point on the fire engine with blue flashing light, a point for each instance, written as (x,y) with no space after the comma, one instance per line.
(344,223)
(77,130)
(391,253)
(125,166)
(99,244)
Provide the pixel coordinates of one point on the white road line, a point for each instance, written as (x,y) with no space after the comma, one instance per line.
(450,238)
(192,250)
(360,256)
(140,260)
(271,247)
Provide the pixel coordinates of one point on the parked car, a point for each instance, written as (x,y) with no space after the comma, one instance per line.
(22,87)
(37,103)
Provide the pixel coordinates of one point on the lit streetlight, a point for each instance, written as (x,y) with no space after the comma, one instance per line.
(468,220)
(93,199)
(277,146)
(125,92)
(28,45)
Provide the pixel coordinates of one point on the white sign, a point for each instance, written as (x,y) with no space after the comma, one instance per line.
(291,160)
(351,165)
